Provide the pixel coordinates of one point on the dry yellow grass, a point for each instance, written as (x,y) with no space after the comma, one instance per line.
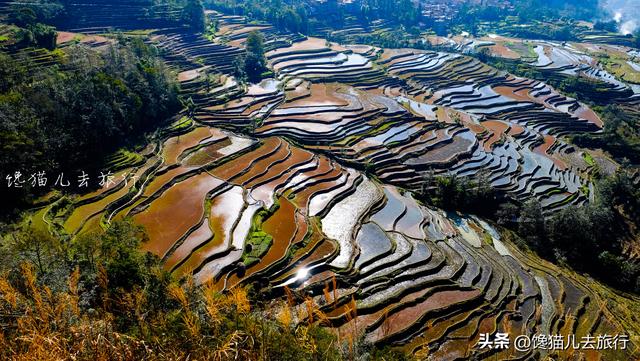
(39,324)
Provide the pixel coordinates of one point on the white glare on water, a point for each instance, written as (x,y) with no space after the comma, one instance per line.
(302,274)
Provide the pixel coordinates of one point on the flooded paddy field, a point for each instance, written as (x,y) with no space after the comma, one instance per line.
(307,181)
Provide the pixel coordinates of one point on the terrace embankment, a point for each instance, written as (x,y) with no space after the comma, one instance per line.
(264,184)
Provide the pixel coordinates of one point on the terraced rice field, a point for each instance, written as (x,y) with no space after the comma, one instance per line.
(611,64)
(266,186)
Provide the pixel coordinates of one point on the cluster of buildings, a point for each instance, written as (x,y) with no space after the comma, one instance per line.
(447,10)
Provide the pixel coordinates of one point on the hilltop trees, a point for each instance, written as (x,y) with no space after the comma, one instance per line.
(253,65)
(59,12)
(31,18)
(464,194)
(39,35)
(295,17)
(65,120)
(25,14)
(286,17)
(529,10)
(581,237)
(531,225)
(193,15)
(610,26)
(404,12)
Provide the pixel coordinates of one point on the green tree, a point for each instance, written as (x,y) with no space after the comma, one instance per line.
(255,64)
(24,14)
(610,26)
(121,257)
(193,15)
(531,224)
(63,119)
(43,36)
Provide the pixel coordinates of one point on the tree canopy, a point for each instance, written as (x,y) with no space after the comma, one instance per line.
(253,64)
(69,116)
(193,15)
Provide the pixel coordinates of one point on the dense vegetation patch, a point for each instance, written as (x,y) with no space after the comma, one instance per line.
(545,19)
(590,238)
(284,16)
(451,193)
(620,136)
(252,66)
(186,13)
(99,298)
(69,116)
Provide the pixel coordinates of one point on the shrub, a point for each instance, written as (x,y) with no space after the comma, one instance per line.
(97,312)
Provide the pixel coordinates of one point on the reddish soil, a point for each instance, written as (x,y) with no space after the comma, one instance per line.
(590,115)
(287,227)
(504,52)
(183,204)
(225,209)
(516,129)
(509,92)
(302,196)
(194,240)
(263,166)
(159,181)
(297,157)
(174,147)
(235,104)
(399,321)
(309,44)
(206,154)
(320,94)
(497,129)
(65,36)
(239,164)
(389,53)
(543,149)
(117,177)
(188,75)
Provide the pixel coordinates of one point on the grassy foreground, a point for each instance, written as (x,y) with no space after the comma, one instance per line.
(100,298)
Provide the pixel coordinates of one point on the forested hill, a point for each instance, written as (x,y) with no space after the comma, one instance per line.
(67,100)
(395,23)
(90,16)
